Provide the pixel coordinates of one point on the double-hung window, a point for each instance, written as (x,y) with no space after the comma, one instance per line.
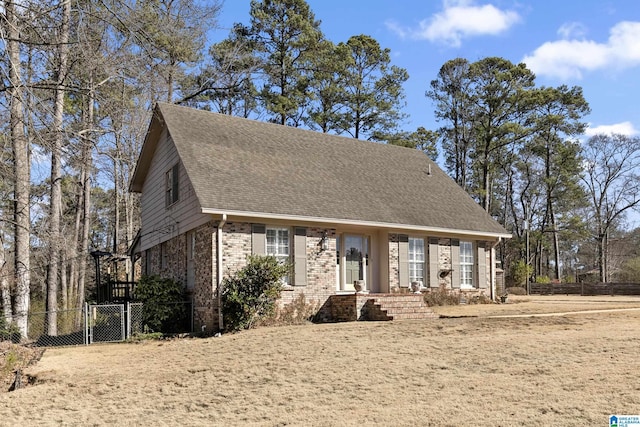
(278,245)
(466,264)
(416,259)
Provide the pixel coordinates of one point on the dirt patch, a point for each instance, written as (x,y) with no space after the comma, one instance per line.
(14,359)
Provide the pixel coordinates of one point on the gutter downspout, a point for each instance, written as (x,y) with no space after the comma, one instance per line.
(219,271)
(493,268)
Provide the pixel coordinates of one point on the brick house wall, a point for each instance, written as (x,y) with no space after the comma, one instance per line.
(237,246)
(444,262)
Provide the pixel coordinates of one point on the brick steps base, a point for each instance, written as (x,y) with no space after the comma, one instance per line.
(397,307)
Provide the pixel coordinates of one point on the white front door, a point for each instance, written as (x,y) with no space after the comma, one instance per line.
(352,257)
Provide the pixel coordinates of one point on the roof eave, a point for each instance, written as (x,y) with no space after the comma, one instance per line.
(338,221)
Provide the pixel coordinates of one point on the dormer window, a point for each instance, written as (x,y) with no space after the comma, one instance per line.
(171,186)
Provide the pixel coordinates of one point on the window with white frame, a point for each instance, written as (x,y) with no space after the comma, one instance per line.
(278,245)
(416,259)
(466,264)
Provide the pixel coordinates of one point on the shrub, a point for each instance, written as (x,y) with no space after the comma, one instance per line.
(516,290)
(297,312)
(9,331)
(543,279)
(252,291)
(480,299)
(441,296)
(163,304)
(520,272)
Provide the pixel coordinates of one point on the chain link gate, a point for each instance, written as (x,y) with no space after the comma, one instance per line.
(105,323)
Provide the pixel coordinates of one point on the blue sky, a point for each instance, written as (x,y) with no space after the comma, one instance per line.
(592,44)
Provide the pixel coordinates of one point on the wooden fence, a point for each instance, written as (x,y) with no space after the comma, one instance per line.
(585,288)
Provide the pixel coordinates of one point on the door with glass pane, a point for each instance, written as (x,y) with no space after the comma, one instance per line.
(355,253)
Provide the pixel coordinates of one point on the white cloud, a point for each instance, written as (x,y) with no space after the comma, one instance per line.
(572,30)
(458,20)
(567,59)
(624,128)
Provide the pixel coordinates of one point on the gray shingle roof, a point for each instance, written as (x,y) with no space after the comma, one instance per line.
(237,164)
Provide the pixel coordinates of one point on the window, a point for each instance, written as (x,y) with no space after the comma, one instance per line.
(466,265)
(278,245)
(171,186)
(416,260)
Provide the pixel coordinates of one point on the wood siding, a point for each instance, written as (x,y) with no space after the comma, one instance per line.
(161,223)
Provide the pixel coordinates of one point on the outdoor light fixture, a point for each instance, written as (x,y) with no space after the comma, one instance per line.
(324,242)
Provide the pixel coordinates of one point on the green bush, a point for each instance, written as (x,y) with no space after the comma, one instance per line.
(543,279)
(520,272)
(163,304)
(9,331)
(251,293)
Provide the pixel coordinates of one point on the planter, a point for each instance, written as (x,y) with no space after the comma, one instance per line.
(415,287)
(358,285)
(503,299)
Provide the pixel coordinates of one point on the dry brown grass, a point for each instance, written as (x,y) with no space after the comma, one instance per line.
(570,370)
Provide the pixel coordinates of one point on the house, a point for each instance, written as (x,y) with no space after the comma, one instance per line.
(217,188)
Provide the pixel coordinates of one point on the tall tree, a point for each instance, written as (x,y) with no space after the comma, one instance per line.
(556,120)
(374,89)
(172,34)
(21,168)
(498,92)
(449,92)
(421,139)
(55,209)
(329,68)
(225,83)
(612,181)
(287,36)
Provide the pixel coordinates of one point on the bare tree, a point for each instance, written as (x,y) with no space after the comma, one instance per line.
(55,212)
(612,181)
(21,169)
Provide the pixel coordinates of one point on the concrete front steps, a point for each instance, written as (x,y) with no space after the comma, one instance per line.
(396,307)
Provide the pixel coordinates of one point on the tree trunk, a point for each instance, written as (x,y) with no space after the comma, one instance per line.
(86,191)
(22,176)
(5,292)
(55,212)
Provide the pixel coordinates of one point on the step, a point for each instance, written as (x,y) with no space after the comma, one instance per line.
(400,304)
(414,316)
(395,298)
(398,310)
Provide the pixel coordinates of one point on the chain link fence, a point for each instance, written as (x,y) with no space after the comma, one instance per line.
(97,323)
(69,329)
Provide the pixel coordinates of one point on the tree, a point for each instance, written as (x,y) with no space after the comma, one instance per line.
(484,105)
(374,89)
(226,81)
(21,168)
(55,210)
(612,181)
(286,36)
(449,92)
(498,92)
(557,114)
(421,139)
(329,88)
(171,33)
